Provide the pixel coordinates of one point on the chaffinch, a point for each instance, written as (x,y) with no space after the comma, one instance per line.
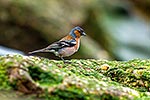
(67,46)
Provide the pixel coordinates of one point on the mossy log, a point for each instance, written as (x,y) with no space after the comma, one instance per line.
(89,79)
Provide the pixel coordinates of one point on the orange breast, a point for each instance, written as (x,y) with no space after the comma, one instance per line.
(78,44)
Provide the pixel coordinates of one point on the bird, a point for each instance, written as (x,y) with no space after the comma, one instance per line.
(66,46)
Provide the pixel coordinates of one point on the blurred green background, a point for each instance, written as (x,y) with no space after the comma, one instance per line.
(116,29)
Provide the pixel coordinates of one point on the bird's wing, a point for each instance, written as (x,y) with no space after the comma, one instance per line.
(62,44)
(68,43)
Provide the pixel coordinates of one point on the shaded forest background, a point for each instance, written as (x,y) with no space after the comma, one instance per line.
(117,29)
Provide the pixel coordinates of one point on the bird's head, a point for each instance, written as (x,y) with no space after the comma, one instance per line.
(77,32)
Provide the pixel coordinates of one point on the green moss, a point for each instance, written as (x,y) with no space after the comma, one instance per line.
(82,79)
(133,73)
(69,94)
(74,93)
(4,83)
(43,77)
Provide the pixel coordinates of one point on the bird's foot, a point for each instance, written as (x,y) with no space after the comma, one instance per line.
(67,62)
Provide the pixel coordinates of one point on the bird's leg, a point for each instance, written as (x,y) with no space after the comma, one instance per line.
(62,59)
(65,61)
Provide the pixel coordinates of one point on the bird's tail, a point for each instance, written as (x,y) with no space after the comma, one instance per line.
(37,51)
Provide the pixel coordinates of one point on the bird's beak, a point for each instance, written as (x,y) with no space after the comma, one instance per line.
(83,33)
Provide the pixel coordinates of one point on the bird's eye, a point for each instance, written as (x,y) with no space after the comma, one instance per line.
(80,31)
